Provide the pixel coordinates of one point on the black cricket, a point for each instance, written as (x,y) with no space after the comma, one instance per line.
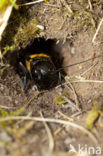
(42,70)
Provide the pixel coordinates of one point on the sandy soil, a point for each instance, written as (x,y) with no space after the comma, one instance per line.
(73,44)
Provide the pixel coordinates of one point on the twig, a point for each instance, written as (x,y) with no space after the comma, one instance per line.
(58,130)
(98,28)
(88,69)
(5,107)
(88,81)
(52,121)
(51,140)
(75,95)
(31,3)
(67,6)
(72,105)
(32,98)
(81,81)
(65,116)
(76,114)
(63,126)
(90,5)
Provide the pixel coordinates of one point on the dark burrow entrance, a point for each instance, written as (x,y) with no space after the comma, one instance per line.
(39,46)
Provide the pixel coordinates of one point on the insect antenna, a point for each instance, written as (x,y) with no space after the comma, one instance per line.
(74,64)
(71,65)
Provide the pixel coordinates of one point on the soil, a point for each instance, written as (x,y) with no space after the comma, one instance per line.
(73,44)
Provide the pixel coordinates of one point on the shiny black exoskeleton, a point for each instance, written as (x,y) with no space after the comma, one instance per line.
(40,69)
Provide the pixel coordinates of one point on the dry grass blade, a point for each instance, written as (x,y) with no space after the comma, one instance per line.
(65,116)
(77,114)
(90,5)
(5,107)
(51,140)
(5,13)
(58,130)
(74,125)
(95,35)
(71,104)
(31,3)
(88,81)
(91,67)
(67,6)
(1,56)
(75,95)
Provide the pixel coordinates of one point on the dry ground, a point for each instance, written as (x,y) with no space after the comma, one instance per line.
(71,26)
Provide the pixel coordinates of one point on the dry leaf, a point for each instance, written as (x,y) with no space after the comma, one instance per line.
(4,16)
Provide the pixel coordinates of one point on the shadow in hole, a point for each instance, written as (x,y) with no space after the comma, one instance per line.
(49,47)
(39,45)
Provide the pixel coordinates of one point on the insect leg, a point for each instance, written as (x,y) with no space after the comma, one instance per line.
(23,68)
(25,82)
(60,79)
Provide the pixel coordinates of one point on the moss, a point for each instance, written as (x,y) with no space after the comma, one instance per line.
(3,3)
(46,1)
(26,33)
(60,100)
(24,29)
(8,35)
(7,48)
(4,113)
(84,18)
(13,3)
(92,116)
(81,15)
